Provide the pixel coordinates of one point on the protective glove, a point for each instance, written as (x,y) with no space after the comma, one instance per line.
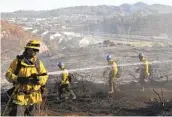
(22,80)
(34,79)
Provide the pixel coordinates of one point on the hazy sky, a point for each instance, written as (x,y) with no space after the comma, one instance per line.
(13,5)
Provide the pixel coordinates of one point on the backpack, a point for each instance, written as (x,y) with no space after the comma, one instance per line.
(71,77)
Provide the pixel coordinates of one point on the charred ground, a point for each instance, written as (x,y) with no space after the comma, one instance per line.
(93,100)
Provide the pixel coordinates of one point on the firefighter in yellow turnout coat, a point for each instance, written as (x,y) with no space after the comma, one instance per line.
(27,81)
(144,70)
(65,84)
(112,74)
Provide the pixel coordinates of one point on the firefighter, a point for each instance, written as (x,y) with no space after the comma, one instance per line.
(112,74)
(64,89)
(27,80)
(143,69)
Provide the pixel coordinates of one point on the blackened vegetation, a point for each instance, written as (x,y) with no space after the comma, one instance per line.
(92,99)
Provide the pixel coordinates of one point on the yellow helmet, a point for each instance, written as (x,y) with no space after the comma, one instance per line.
(33,44)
